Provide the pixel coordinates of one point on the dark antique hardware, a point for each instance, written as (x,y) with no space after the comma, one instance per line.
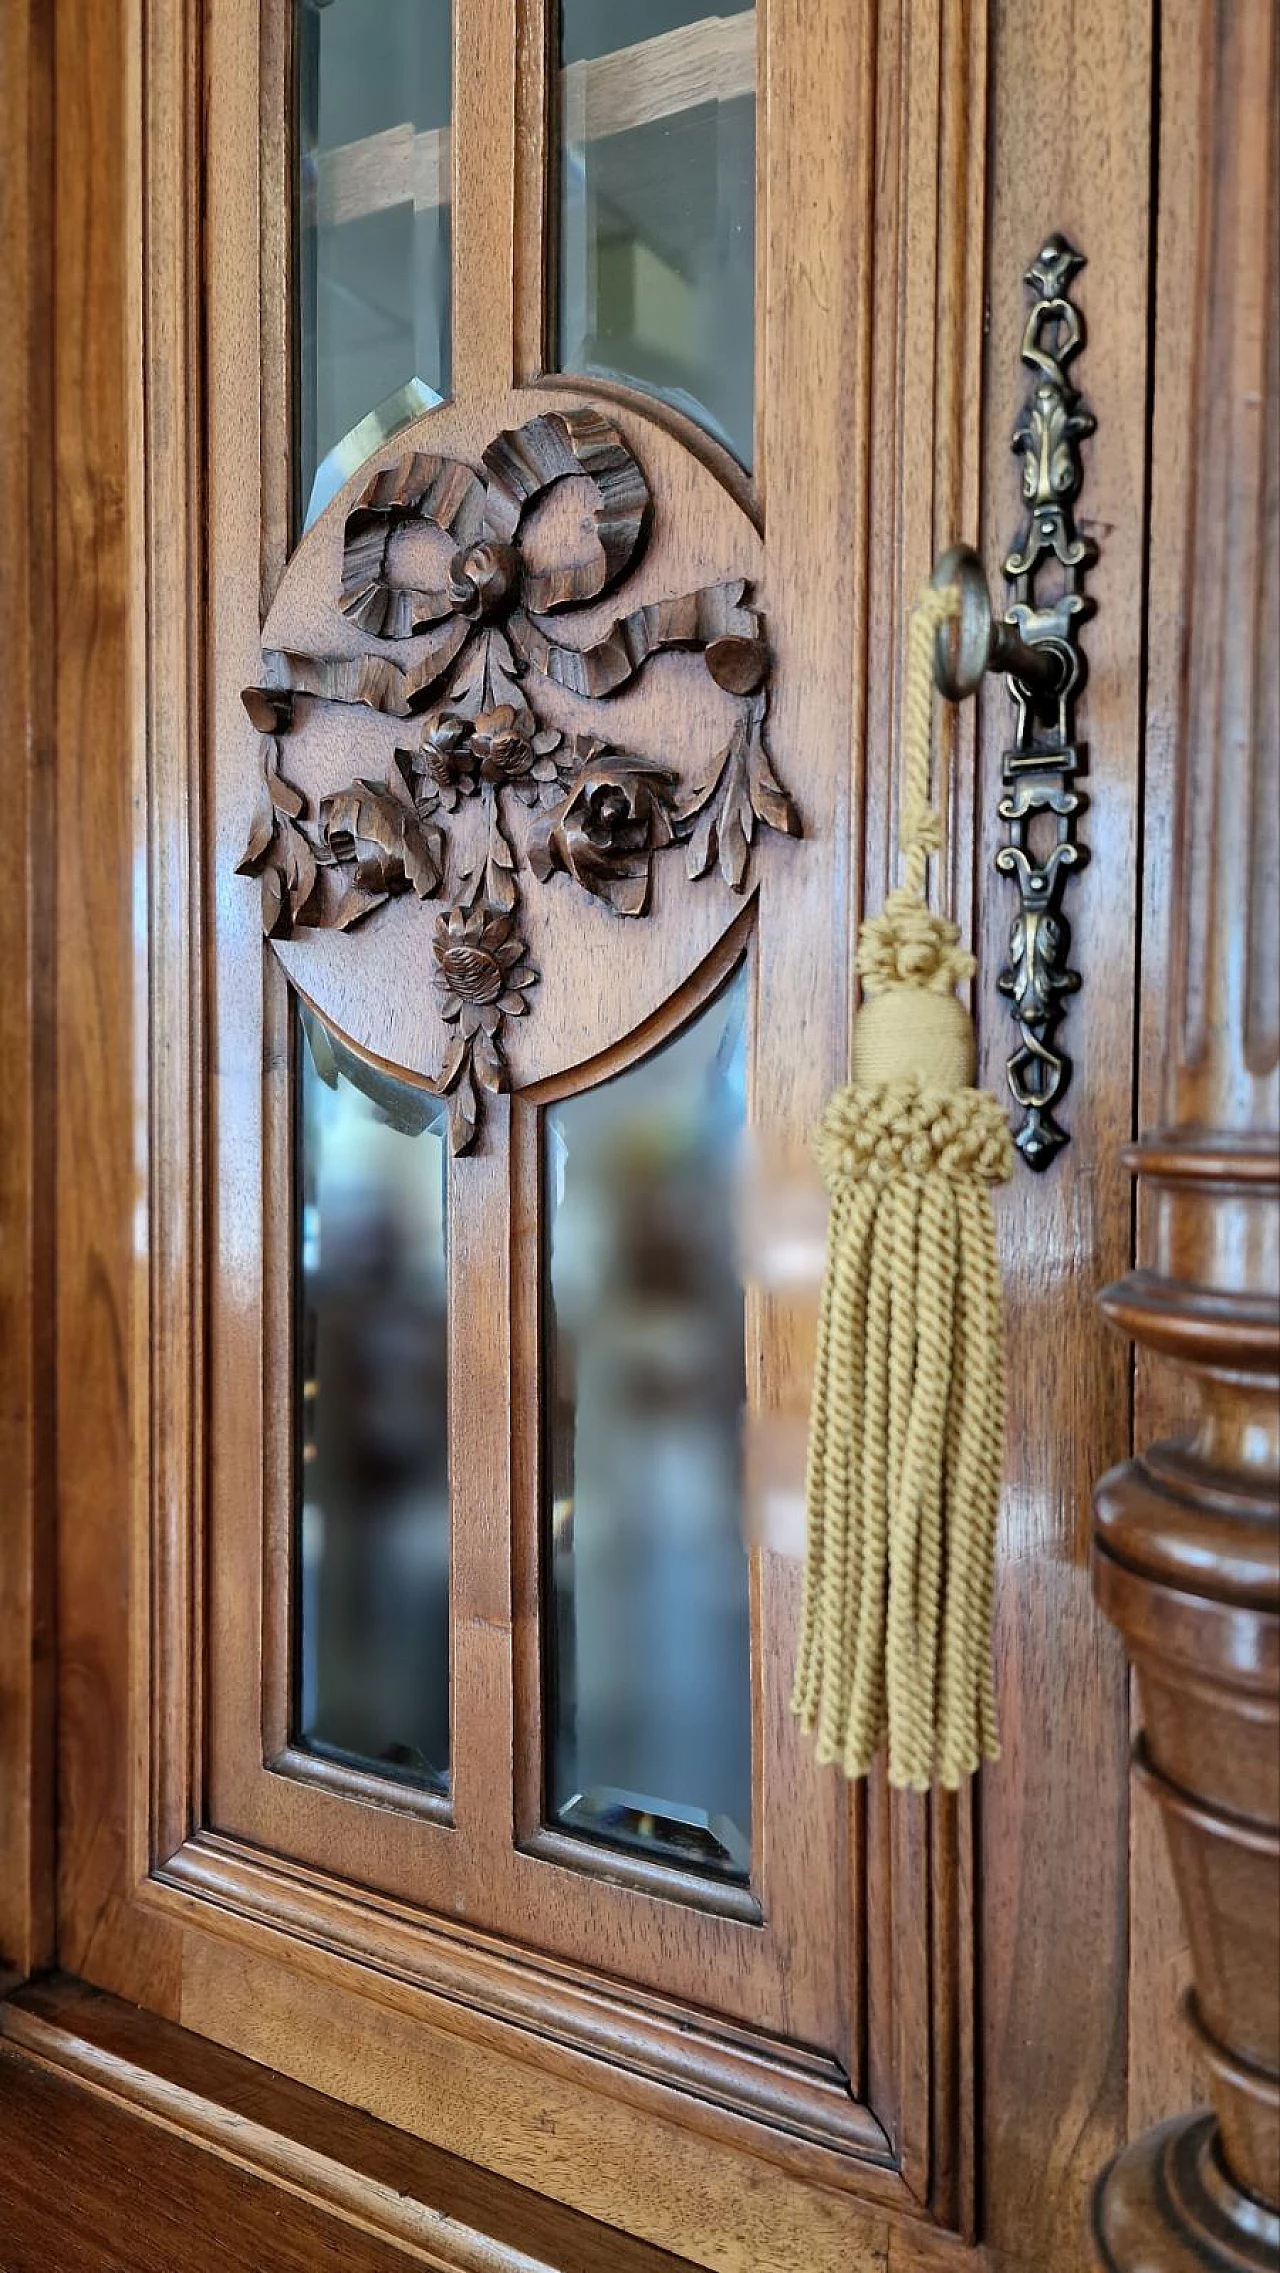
(1035,645)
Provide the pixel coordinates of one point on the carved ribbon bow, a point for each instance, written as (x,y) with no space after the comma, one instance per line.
(599,814)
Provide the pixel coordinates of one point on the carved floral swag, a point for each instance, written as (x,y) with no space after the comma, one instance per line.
(596,814)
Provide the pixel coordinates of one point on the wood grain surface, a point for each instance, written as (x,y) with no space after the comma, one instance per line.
(26,1033)
(910,2041)
(1054,1836)
(102,1351)
(1187,1557)
(124,2134)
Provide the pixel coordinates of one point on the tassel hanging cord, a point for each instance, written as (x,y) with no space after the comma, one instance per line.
(902,1485)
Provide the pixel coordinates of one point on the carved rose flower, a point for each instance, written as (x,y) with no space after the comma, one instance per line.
(514,752)
(606,832)
(481,974)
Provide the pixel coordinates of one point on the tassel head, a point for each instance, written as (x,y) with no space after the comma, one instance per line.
(911,1025)
(908,1035)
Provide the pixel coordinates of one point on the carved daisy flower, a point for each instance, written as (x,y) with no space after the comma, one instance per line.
(481,974)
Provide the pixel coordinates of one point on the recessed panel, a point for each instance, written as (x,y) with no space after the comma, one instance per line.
(647,1624)
(657,114)
(371,1673)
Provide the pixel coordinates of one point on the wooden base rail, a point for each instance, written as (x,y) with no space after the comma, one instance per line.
(318,2184)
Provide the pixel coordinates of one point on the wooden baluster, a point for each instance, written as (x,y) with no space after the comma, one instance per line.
(1187,1537)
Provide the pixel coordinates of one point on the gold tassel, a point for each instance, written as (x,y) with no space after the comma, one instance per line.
(905,1435)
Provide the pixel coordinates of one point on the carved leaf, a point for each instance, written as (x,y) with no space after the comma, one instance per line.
(488,1063)
(356,903)
(735,824)
(465,698)
(488,676)
(378,828)
(702,845)
(464,1112)
(697,799)
(285,798)
(303,877)
(455,1059)
(280,853)
(262,829)
(722,807)
(769,800)
(740,790)
(275,906)
(499,874)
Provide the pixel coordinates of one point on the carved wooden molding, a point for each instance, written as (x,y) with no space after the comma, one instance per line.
(552,804)
(1187,1533)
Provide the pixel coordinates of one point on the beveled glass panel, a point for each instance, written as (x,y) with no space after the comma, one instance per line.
(373,261)
(648,1633)
(372,1598)
(657,204)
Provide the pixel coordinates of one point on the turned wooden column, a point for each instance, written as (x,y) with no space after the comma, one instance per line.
(1187,1536)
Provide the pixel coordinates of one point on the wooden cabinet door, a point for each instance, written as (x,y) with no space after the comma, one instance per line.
(865,2028)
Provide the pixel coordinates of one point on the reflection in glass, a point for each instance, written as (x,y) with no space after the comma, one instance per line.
(372,1659)
(649,1641)
(374,101)
(657,214)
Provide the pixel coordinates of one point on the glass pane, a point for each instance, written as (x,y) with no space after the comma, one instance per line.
(649,1634)
(372,1658)
(657,213)
(374,101)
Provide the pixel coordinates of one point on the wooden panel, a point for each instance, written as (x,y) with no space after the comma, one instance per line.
(96,2192)
(1187,1534)
(102,1305)
(599,978)
(276,206)
(484,177)
(1165,2075)
(797,1979)
(693,2196)
(239,414)
(1070,141)
(26,1089)
(927,337)
(334,2181)
(873,427)
(168,687)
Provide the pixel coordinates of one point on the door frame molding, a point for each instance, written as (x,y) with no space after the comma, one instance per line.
(948,2078)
